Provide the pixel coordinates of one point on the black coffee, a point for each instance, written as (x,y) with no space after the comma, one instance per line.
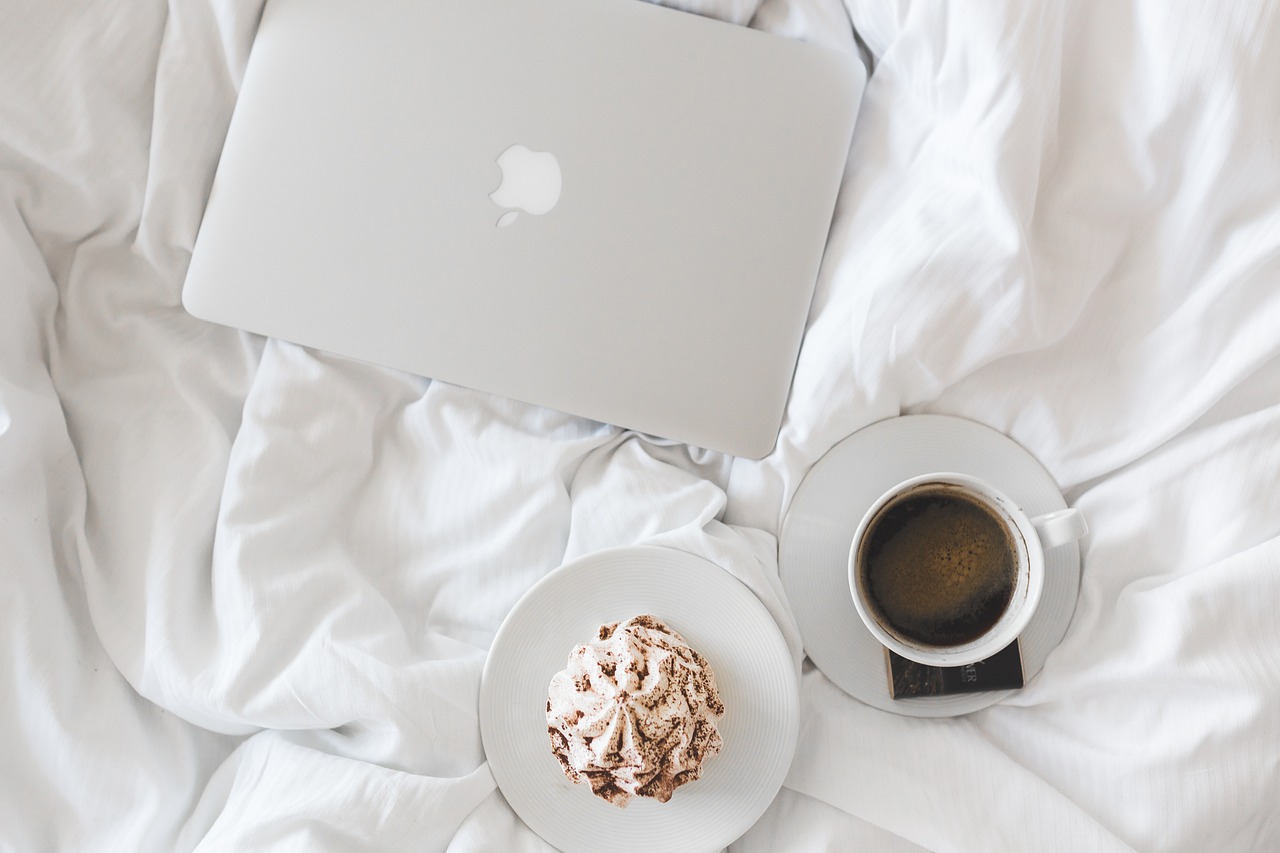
(939,566)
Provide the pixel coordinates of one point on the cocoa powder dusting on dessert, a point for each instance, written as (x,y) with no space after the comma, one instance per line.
(634,712)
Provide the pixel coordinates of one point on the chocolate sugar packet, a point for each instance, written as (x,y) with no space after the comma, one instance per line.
(909,680)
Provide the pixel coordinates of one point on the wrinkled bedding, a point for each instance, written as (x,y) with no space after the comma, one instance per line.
(248,588)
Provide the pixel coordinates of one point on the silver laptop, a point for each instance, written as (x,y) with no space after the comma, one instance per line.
(602,206)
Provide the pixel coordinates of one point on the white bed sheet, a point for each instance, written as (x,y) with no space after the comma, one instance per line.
(248,587)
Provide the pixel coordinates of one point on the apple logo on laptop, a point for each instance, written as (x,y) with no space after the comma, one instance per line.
(530,182)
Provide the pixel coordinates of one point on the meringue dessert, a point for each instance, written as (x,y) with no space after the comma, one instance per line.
(634,712)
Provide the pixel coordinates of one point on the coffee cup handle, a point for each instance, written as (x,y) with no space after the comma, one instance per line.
(1060,527)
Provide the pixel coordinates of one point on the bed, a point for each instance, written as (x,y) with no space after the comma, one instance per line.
(249,588)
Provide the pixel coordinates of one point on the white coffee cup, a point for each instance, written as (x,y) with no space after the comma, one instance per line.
(1031,538)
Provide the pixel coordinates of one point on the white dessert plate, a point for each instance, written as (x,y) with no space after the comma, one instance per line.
(813,550)
(719,617)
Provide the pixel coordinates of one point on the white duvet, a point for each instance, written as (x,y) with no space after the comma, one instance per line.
(248,588)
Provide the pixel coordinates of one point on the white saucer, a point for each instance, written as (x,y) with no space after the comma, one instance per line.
(813,551)
(719,617)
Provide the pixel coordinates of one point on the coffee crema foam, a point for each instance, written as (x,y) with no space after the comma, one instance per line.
(940,566)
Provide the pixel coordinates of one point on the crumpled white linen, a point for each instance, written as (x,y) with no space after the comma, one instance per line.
(250,586)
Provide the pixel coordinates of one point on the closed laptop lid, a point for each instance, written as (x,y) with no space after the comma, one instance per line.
(602,206)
